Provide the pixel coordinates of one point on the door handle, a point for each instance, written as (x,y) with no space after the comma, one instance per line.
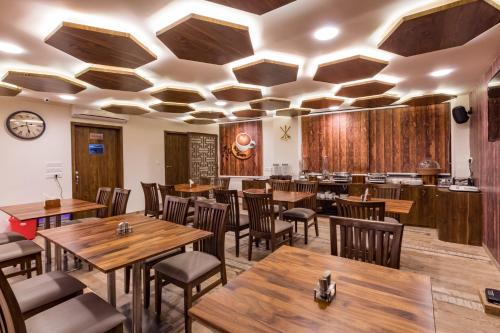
(77,178)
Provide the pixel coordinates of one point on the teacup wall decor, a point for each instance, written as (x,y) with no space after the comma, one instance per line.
(243,147)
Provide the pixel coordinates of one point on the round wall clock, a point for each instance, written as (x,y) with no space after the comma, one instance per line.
(25,125)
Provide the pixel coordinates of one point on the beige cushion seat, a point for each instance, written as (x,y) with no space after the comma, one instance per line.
(86,313)
(301,213)
(162,256)
(391,220)
(44,289)
(187,267)
(244,220)
(281,226)
(18,249)
(9,237)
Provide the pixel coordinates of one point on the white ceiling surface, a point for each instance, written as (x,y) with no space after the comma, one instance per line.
(284,34)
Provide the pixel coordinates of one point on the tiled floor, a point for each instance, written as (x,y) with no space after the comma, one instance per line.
(457,272)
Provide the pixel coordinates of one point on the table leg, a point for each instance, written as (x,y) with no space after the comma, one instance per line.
(57,248)
(48,248)
(137,298)
(112,288)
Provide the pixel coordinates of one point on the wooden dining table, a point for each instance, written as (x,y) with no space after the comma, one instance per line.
(97,243)
(402,207)
(276,295)
(37,210)
(194,189)
(288,198)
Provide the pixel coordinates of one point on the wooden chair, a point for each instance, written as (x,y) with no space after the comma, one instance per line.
(151,200)
(190,269)
(307,211)
(88,312)
(373,242)
(247,184)
(175,210)
(236,222)
(388,191)
(263,222)
(222,182)
(280,185)
(119,201)
(166,190)
(22,253)
(368,210)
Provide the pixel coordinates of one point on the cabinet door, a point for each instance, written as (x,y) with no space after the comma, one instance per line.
(452,216)
(422,213)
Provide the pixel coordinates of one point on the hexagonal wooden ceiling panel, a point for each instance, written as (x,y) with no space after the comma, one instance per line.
(270,103)
(366,88)
(209,114)
(8,90)
(204,39)
(374,101)
(250,113)
(237,94)
(196,121)
(128,109)
(321,103)
(43,82)
(429,99)
(114,78)
(100,46)
(178,95)
(266,73)
(442,27)
(170,107)
(293,112)
(258,7)
(349,69)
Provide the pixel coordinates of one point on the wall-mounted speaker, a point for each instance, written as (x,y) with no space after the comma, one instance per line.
(460,114)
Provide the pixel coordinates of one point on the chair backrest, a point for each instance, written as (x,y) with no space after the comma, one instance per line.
(211,217)
(387,191)
(260,212)
(369,241)
(280,185)
(166,190)
(222,182)
(307,187)
(367,210)
(247,184)
(175,209)
(119,201)
(230,197)
(151,200)
(11,319)
(102,198)
(281,177)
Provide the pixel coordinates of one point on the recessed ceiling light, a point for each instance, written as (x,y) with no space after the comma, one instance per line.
(232,117)
(10,48)
(441,72)
(67,97)
(333,108)
(221,103)
(326,33)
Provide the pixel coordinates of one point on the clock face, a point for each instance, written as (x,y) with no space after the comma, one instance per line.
(25,125)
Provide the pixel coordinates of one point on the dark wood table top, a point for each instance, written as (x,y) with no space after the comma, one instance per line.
(97,242)
(281,196)
(36,210)
(391,205)
(196,188)
(276,295)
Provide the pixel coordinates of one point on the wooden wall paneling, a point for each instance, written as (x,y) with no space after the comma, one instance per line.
(229,164)
(486,163)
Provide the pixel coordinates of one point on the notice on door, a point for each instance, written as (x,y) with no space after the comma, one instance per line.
(96,136)
(96,149)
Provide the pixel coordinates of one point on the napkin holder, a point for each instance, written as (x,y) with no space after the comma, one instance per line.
(325,290)
(123,229)
(52,203)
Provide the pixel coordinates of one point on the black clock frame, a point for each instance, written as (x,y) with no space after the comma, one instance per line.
(7,122)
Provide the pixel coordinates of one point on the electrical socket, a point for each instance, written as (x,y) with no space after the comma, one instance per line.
(52,175)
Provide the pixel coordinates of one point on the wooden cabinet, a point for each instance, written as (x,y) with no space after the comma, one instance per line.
(459,217)
(423,212)
(357,189)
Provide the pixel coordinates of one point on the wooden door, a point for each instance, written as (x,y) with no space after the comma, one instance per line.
(176,158)
(97,157)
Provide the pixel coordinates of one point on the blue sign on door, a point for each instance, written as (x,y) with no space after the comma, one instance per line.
(96,149)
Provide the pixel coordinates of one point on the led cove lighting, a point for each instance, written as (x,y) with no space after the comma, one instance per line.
(441,72)
(326,33)
(10,48)
(221,103)
(333,108)
(67,97)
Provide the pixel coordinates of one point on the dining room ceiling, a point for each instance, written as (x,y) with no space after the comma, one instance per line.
(135,52)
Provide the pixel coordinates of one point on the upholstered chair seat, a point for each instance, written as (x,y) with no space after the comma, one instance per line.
(302,213)
(187,267)
(10,237)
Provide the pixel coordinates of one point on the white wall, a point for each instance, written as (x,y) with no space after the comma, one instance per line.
(23,163)
(460,142)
